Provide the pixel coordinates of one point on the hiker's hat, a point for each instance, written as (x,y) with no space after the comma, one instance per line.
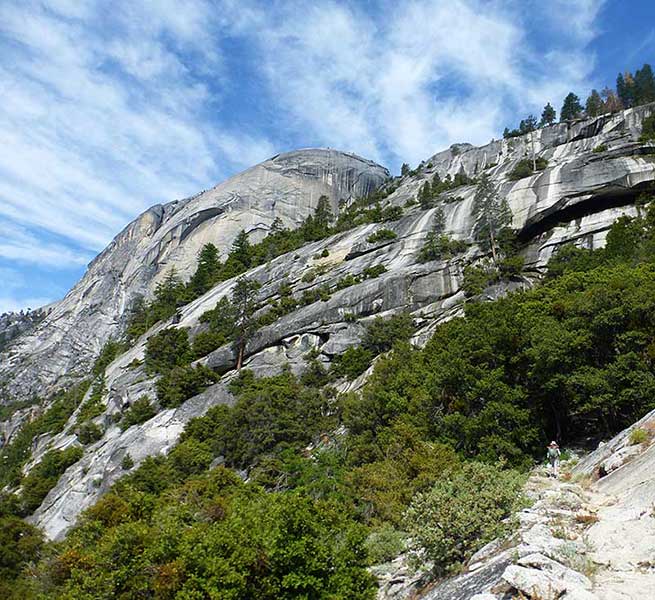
(553,443)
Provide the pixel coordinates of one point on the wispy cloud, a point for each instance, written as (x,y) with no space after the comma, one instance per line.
(111,107)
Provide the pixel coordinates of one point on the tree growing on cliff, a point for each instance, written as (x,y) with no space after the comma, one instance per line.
(644,85)
(244,301)
(594,104)
(206,273)
(548,115)
(491,215)
(571,108)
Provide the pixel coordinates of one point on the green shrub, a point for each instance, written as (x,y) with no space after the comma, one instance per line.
(44,476)
(478,278)
(524,168)
(88,432)
(308,276)
(94,406)
(20,544)
(462,513)
(127,463)
(648,129)
(352,363)
(600,148)
(181,383)
(381,235)
(207,341)
(325,253)
(511,265)
(168,349)
(638,436)
(347,281)
(382,334)
(141,411)
(373,272)
(384,544)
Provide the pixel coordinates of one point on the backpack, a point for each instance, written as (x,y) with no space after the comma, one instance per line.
(553,453)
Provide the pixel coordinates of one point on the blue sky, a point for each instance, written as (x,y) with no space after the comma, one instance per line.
(109,107)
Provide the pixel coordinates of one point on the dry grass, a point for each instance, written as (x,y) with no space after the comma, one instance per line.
(586,518)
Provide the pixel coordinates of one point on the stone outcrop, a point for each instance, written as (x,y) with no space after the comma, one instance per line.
(575,199)
(286,186)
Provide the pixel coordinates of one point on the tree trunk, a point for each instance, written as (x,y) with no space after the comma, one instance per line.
(240,354)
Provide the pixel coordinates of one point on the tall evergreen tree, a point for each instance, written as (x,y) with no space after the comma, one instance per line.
(323,215)
(644,85)
(404,170)
(244,300)
(425,196)
(241,250)
(625,89)
(167,294)
(548,115)
(528,124)
(571,108)
(491,214)
(206,272)
(594,104)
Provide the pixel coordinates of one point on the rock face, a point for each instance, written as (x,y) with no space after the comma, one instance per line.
(286,186)
(576,198)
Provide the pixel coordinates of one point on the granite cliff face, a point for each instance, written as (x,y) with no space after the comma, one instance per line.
(286,186)
(596,169)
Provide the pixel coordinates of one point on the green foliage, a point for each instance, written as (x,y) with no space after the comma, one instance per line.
(384,544)
(183,382)
(309,276)
(524,168)
(141,411)
(600,148)
(571,109)
(89,432)
(381,235)
(44,476)
(20,544)
(352,362)
(648,129)
(167,349)
(94,406)
(462,513)
(127,463)
(440,247)
(14,455)
(638,436)
(594,104)
(492,215)
(382,334)
(109,352)
(548,115)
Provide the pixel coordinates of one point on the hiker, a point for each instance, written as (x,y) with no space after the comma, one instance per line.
(553,458)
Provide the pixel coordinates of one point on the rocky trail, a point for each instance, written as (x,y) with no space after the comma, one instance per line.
(582,538)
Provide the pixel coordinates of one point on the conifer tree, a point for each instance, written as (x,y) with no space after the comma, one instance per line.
(244,302)
(491,215)
(206,272)
(594,104)
(625,89)
(425,196)
(241,251)
(404,170)
(644,85)
(571,108)
(548,115)
(167,294)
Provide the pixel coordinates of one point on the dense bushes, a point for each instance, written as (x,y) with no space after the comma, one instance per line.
(44,476)
(461,513)
(181,383)
(53,420)
(524,168)
(138,413)
(381,235)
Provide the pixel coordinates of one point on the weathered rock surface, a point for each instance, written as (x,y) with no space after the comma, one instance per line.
(286,186)
(576,198)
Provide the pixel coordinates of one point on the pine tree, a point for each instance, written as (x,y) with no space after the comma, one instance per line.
(528,125)
(571,108)
(491,215)
(594,104)
(323,215)
(241,251)
(167,294)
(644,85)
(425,196)
(404,170)
(244,301)
(625,89)
(206,272)
(548,115)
